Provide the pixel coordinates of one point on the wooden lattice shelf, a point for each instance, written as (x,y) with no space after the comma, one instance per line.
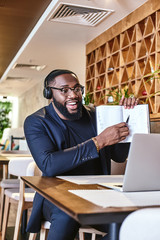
(124,61)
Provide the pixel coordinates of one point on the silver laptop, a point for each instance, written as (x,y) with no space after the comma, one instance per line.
(143,165)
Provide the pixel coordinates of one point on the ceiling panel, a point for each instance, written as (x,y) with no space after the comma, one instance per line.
(53,44)
(17,19)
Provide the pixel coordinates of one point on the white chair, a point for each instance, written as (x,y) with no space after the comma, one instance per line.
(6,184)
(45,226)
(23,197)
(142,224)
(14,169)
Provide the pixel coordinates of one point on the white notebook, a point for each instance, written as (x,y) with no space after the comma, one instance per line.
(138,122)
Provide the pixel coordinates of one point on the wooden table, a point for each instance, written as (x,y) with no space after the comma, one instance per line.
(4,162)
(15,153)
(85,212)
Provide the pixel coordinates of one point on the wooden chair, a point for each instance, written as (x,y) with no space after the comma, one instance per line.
(23,197)
(6,184)
(91,231)
(12,183)
(46,226)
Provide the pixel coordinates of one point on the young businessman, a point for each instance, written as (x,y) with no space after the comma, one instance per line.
(63,141)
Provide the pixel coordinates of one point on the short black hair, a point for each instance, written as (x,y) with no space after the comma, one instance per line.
(51,76)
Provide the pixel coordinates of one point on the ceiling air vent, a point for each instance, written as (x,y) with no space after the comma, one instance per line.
(79,14)
(29,66)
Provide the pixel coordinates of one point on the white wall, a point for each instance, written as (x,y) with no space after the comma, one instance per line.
(30,102)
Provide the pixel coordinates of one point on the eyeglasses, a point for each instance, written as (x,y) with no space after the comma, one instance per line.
(77,89)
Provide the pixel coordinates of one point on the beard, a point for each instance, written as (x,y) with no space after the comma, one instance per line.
(64,111)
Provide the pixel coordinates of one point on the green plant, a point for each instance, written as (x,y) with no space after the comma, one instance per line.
(116,94)
(88,99)
(5,109)
(153,75)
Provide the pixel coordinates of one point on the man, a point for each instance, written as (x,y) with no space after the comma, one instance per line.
(62,139)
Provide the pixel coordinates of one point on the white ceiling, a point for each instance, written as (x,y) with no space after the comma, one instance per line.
(59,45)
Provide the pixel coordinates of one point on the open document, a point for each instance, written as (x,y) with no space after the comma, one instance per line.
(137,118)
(92,179)
(111,198)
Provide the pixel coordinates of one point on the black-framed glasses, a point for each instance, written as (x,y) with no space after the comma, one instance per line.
(65,90)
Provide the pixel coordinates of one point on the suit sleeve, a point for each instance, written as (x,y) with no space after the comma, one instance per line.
(49,159)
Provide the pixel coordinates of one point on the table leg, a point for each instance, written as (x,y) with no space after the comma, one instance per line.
(114,231)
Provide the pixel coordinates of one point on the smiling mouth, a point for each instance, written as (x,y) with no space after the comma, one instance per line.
(72,105)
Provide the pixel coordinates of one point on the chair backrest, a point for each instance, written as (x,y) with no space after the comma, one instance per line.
(33,170)
(18,165)
(118,168)
(141,225)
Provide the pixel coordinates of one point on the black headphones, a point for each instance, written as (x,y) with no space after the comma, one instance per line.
(47,92)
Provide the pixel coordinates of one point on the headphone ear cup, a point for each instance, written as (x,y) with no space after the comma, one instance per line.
(47,92)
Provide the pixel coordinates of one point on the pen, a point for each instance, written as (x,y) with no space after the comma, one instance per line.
(127,119)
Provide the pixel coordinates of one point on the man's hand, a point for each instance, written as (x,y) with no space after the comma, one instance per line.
(118,132)
(129,102)
(112,135)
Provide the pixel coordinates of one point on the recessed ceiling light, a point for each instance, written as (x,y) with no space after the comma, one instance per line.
(17,78)
(30,66)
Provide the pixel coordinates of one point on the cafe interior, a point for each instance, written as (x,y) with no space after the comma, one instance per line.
(114,48)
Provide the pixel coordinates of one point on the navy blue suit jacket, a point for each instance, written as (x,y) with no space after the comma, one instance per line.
(48,141)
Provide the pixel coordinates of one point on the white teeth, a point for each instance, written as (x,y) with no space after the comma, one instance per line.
(71,103)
